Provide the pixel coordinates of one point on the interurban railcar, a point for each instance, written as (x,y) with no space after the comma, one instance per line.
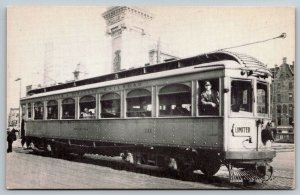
(133,112)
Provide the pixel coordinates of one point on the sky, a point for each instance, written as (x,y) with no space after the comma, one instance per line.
(65,36)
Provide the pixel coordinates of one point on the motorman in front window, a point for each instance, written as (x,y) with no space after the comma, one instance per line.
(209,100)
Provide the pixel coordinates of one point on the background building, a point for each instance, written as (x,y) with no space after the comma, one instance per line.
(282,98)
(132,44)
(13,117)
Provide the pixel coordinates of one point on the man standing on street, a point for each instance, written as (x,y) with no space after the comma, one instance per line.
(11,137)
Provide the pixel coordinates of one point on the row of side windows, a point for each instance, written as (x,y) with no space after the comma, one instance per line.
(174,100)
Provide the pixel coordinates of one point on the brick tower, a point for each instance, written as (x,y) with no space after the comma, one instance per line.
(127,27)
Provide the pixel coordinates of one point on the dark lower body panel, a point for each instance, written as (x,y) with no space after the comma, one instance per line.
(251,155)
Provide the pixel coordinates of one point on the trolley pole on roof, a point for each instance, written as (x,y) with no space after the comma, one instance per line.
(282,36)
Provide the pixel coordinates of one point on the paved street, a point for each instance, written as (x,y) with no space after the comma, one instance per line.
(26,170)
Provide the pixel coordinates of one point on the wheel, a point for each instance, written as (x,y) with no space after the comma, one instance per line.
(28,141)
(50,149)
(33,146)
(185,171)
(265,172)
(162,161)
(136,158)
(57,151)
(127,157)
(81,153)
(210,168)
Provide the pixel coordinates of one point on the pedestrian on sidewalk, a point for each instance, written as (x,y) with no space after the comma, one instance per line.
(11,137)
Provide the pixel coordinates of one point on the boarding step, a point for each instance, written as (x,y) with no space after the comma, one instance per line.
(242,175)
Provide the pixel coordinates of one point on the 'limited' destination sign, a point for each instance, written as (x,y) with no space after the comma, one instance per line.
(242,130)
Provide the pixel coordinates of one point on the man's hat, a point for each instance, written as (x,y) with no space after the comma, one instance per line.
(207,83)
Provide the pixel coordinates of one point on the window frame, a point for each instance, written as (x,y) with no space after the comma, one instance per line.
(139,113)
(280,109)
(198,99)
(42,111)
(267,103)
(278,98)
(291,110)
(101,107)
(279,121)
(291,85)
(47,107)
(243,114)
(94,116)
(159,88)
(278,86)
(284,109)
(29,108)
(291,97)
(62,110)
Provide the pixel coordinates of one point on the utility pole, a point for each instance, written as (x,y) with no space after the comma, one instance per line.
(20,91)
(48,64)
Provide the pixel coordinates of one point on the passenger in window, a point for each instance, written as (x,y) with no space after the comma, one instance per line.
(50,113)
(133,112)
(143,111)
(66,115)
(115,106)
(54,116)
(86,113)
(209,100)
(179,110)
(106,113)
(38,113)
(168,110)
(110,109)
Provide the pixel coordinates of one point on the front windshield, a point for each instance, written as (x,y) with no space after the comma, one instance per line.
(241,96)
(262,98)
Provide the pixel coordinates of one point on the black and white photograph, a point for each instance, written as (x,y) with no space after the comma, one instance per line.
(150,97)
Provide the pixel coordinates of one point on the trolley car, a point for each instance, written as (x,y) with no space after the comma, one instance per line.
(132,112)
